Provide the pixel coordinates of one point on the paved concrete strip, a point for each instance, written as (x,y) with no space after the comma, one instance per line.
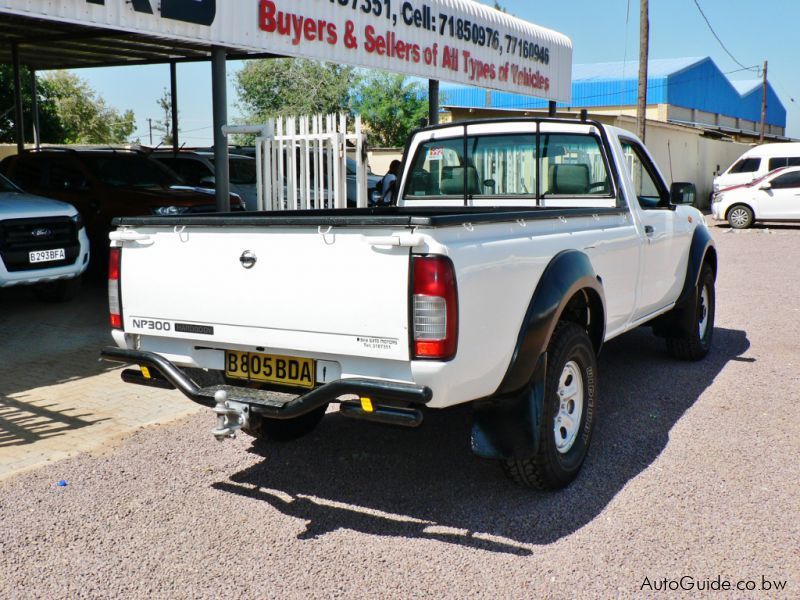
(45,424)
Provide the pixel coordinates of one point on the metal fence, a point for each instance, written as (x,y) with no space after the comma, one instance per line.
(303,163)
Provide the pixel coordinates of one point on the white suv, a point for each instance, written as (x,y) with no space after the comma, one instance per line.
(42,242)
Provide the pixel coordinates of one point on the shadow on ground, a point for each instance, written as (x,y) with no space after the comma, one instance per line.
(425,483)
(44,345)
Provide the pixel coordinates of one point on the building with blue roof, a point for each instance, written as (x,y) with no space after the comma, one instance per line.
(686,91)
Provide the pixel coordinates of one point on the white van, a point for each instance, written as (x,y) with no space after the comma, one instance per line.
(757,162)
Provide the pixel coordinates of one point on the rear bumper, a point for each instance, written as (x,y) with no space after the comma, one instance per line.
(278,406)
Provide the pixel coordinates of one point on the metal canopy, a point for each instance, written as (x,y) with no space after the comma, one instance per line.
(46,45)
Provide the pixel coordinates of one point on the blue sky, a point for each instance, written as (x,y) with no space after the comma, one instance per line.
(601,31)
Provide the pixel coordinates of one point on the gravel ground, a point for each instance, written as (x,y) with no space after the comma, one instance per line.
(693,471)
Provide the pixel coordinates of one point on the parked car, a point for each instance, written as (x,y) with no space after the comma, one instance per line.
(757,162)
(104,184)
(43,243)
(197,168)
(517,249)
(774,197)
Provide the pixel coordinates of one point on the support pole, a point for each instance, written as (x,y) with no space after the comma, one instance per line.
(173,85)
(433,102)
(763,104)
(219,98)
(18,123)
(37,135)
(644,51)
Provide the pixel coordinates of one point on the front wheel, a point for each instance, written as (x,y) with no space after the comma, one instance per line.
(740,217)
(696,344)
(570,395)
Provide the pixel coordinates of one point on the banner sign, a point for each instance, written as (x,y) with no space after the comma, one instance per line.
(460,41)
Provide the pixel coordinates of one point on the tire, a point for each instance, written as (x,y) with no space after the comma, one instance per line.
(741,216)
(696,344)
(63,290)
(567,424)
(284,430)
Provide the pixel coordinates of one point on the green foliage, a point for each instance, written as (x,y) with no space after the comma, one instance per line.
(164,124)
(275,87)
(390,106)
(49,123)
(85,117)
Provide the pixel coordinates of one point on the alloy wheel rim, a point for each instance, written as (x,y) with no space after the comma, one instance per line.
(739,217)
(567,421)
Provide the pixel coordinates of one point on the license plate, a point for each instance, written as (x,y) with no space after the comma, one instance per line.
(40,256)
(270,368)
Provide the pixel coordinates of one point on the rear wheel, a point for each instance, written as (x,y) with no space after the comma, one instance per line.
(568,413)
(740,217)
(696,344)
(63,290)
(284,430)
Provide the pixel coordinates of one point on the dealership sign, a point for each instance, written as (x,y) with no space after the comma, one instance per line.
(451,40)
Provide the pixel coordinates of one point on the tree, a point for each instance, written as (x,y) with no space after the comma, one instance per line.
(274,87)
(49,123)
(164,124)
(85,117)
(391,107)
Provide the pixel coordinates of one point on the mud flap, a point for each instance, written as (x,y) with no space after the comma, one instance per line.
(509,427)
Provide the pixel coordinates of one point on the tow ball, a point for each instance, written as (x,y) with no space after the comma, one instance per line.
(231,416)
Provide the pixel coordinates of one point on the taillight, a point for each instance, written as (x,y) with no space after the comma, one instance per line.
(114,302)
(434,308)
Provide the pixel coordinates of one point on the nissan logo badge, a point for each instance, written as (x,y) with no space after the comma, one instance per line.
(248,259)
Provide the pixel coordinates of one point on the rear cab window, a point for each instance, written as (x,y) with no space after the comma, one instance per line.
(510,164)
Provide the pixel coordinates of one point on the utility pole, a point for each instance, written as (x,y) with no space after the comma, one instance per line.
(763,104)
(644,51)
(150,124)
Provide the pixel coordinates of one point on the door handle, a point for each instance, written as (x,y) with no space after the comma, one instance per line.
(649,230)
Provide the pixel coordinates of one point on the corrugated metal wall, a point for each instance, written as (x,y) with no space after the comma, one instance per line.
(688,83)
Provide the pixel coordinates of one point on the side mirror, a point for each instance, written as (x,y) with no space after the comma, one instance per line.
(682,192)
(490,183)
(208,182)
(765,186)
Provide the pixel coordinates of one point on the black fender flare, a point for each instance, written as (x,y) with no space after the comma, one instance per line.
(506,425)
(680,318)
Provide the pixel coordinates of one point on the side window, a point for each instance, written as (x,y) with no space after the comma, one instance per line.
(438,170)
(788,161)
(192,171)
(788,180)
(573,165)
(649,188)
(500,166)
(746,165)
(65,177)
(29,173)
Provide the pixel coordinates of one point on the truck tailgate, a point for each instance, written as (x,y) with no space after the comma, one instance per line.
(308,290)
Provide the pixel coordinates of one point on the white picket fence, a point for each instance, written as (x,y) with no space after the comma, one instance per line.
(302,162)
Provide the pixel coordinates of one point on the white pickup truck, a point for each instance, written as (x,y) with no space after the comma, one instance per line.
(515,250)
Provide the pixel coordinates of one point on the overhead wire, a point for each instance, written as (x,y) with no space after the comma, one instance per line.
(714,33)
